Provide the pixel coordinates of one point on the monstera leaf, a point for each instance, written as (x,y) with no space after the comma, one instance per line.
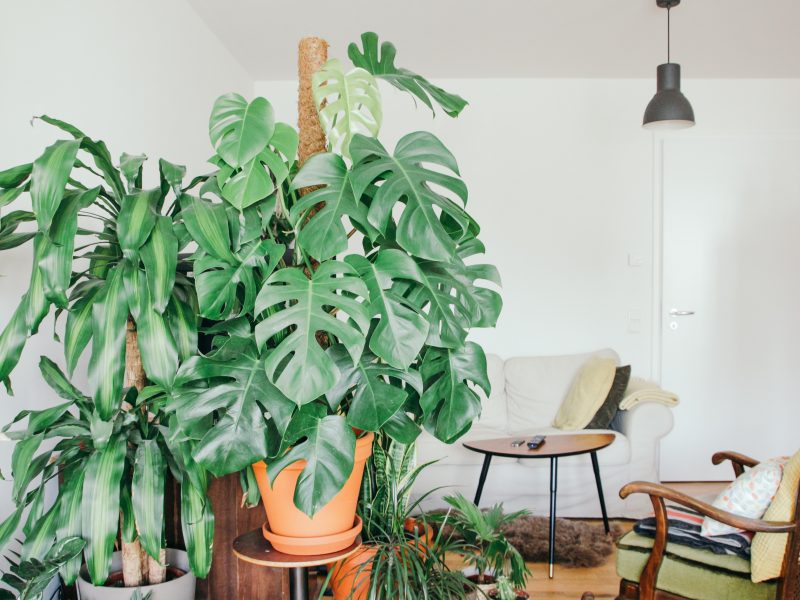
(241,393)
(293,303)
(329,451)
(219,282)
(377,395)
(443,295)
(402,178)
(487,303)
(401,329)
(448,402)
(381,64)
(348,104)
(238,130)
(323,235)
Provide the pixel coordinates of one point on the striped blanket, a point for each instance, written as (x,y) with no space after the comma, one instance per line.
(684,528)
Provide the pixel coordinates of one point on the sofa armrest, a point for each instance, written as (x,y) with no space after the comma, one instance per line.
(647,420)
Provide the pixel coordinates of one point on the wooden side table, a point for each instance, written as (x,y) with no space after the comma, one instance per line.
(554,446)
(253,548)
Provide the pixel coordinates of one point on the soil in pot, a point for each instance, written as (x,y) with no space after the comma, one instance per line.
(483,584)
(180,584)
(115,579)
(337,516)
(521,594)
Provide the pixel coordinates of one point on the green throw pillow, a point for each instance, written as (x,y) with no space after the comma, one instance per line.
(603,417)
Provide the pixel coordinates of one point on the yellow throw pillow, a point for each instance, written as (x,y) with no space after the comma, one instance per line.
(587,394)
(768,549)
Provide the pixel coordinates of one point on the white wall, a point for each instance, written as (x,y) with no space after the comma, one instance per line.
(140,75)
(560,178)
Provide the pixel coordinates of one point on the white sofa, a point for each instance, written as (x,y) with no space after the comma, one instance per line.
(526,395)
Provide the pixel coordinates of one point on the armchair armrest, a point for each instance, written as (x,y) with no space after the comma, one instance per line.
(658,493)
(739,461)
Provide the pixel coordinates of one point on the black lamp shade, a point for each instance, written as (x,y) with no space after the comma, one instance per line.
(669,108)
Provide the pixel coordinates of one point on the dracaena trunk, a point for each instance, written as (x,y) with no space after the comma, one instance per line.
(138,568)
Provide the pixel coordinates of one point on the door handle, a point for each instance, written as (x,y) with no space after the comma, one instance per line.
(681,313)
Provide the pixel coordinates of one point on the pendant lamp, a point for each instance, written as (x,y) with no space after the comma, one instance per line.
(669,108)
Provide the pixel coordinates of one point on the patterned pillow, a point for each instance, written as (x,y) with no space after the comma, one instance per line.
(749,496)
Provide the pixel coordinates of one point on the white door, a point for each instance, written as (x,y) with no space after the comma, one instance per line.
(731,257)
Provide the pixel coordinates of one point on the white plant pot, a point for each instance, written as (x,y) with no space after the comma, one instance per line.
(482,591)
(181,588)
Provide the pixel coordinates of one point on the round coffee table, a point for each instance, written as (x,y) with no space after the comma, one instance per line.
(555,446)
(253,548)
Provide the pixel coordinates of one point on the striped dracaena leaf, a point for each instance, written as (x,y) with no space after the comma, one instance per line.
(157,346)
(41,537)
(22,463)
(99,152)
(182,321)
(56,261)
(10,525)
(49,179)
(148,495)
(13,177)
(208,225)
(78,330)
(69,518)
(131,167)
(12,340)
(107,364)
(136,219)
(160,257)
(197,523)
(100,506)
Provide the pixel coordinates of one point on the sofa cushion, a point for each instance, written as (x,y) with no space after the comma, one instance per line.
(586,394)
(769,548)
(692,573)
(618,453)
(536,386)
(494,409)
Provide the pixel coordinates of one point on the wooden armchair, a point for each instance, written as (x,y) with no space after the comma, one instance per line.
(715,576)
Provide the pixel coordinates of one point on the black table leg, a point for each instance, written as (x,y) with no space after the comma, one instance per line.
(484,470)
(596,468)
(553,490)
(298,583)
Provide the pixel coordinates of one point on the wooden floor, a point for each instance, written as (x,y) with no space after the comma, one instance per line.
(571,583)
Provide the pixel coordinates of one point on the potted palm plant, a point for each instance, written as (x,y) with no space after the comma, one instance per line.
(495,563)
(402,556)
(106,253)
(343,290)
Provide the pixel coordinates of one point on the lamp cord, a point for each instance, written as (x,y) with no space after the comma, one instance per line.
(668,48)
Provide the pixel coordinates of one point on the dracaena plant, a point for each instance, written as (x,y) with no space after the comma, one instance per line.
(106,253)
(343,290)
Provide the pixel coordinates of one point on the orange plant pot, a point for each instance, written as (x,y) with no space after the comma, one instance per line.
(336,517)
(353,574)
(350,576)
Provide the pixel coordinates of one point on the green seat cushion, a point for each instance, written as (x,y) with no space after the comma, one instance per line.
(692,573)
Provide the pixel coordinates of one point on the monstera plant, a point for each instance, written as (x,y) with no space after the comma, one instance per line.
(342,290)
(106,253)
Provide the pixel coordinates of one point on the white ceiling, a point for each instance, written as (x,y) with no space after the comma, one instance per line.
(521,38)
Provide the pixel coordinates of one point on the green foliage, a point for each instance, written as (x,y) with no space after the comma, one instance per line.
(29,578)
(381,64)
(346,307)
(487,548)
(348,104)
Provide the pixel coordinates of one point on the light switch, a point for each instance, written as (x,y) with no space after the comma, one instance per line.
(635,259)
(634,321)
